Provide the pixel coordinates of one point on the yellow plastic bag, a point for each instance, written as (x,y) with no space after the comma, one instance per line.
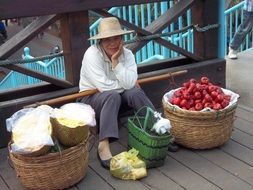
(127,165)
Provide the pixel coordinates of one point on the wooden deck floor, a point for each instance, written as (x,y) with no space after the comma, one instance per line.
(228,167)
(239,77)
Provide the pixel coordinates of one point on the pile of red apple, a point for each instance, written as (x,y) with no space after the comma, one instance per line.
(196,95)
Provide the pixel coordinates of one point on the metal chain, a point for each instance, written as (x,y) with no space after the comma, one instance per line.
(154,36)
(205,28)
(136,39)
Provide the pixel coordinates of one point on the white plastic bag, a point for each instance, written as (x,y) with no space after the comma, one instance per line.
(81,112)
(162,125)
(30,128)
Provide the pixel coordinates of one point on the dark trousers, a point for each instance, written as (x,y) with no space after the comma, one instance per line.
(107,105)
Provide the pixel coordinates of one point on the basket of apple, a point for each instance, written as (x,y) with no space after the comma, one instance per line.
(201,113)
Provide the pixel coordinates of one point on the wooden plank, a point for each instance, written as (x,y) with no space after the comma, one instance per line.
(20,102)
(8,174)
(39,75)
(210,171)
(172,174)
(244,113)
(157,179)
(229,163)
(3,186)
(244,125)
(19,8)
(27,91)
(239,151)
(93,180)
(27,34)
(243,138)
(184,176)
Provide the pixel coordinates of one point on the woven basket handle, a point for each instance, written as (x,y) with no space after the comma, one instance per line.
(148,112)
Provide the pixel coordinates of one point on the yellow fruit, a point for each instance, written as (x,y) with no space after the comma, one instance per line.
(69,132)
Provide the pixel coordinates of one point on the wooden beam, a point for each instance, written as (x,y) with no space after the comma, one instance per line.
(26,35)
(35,74)
(197,17)
(170,15)
(20,102)
(27,8)
(25,91)
(73,97)
(164,20)
(74,34)
(203,14)
(138,45)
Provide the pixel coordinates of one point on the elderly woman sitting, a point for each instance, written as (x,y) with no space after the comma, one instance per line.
(111,69)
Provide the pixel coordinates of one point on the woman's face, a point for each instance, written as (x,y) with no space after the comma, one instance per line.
(111,45)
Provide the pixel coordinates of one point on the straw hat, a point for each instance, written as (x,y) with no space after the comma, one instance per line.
(109,27)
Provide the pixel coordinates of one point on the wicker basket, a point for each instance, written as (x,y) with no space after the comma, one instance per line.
(152,148)
(52,171)
(200,130)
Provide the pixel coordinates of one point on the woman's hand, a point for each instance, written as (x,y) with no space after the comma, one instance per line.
(115,56)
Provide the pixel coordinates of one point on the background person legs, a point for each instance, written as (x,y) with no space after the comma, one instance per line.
(241,33)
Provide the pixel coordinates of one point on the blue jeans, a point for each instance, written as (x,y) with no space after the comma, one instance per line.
(243,29)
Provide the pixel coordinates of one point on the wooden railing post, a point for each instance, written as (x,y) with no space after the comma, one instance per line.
(205,12)
(74,35)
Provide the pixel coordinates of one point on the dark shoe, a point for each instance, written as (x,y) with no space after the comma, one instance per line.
(104,163)
(173,147)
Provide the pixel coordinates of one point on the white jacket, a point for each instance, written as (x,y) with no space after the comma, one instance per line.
(97,72)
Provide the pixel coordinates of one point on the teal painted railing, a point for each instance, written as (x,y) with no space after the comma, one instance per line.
(142,15)
(53,67)
(233,18)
